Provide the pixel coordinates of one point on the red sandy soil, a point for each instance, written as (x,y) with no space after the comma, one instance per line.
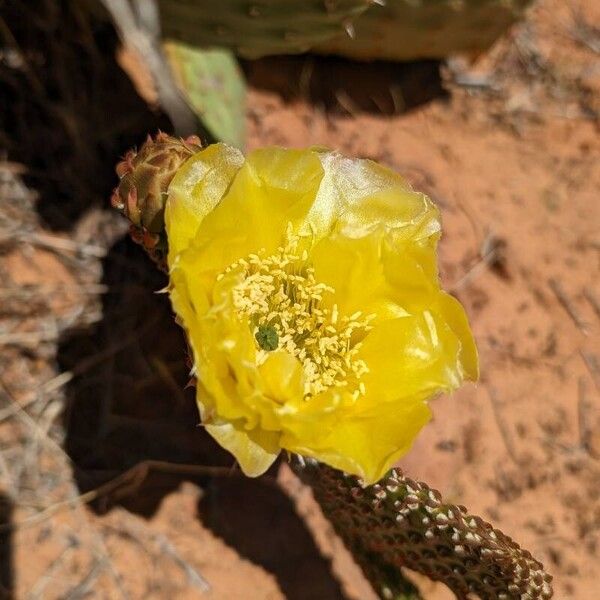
(512,157)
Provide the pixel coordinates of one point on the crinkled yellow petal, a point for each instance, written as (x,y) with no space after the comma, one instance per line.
(224,351)
(196,189)
(411,272)
(367,446)
(220,347)
(358,196)
(452,311)
(374,275)
(353,267)
(274,188)
(411,359)
(282,378)
(255,451)
(414,356)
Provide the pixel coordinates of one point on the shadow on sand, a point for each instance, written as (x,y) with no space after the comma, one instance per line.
(346,86)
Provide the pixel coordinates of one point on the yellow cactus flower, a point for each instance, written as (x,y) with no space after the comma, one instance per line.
(307,284)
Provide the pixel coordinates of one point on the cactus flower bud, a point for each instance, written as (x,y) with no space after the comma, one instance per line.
(142,191)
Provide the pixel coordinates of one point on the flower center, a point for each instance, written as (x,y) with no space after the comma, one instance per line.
(282,301)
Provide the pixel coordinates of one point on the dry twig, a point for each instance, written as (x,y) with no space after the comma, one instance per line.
(583,406)
(60,244)
(593,300)
(490,254)
(566,303)
(591,362)
(62,379)
(504,432)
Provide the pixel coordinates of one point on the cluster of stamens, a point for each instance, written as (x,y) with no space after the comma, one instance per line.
(282,301)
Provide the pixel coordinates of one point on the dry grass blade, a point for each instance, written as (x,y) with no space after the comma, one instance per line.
(145,537)
(593,366)
(400,522)
(123,485)
(502,427)
(585,33)
(192,575)
(593,300)
(62,379)
(491,254)
(585,430)
(569,307)
(38,590)
(84,587)
(60,244)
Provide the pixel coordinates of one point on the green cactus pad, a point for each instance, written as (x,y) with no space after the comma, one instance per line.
(381,29)
(255,28)
(214,87)
(403,523)
(415,29)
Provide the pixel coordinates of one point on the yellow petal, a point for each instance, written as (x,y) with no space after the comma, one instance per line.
(416,356)
(197,188)
(366,280)
(282,377)
(255,451)
(274,188)
(381,257)
(221,347)
(358,196)
(369,446)
(453,312)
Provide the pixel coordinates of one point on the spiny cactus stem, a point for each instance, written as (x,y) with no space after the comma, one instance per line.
(403,523)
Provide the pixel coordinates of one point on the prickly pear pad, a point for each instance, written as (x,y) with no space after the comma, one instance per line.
(307,284)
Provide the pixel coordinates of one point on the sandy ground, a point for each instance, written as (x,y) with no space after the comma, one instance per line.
(92,377)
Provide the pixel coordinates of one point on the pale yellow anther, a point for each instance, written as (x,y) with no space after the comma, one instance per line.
(280,291)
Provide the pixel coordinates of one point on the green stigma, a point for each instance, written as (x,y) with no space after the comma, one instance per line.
(267,337)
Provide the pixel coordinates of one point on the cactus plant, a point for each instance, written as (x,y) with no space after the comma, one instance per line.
(200,89)
(403,523)
(415,29)
(393,524)
(258,28)
(387,29)
(212,83)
